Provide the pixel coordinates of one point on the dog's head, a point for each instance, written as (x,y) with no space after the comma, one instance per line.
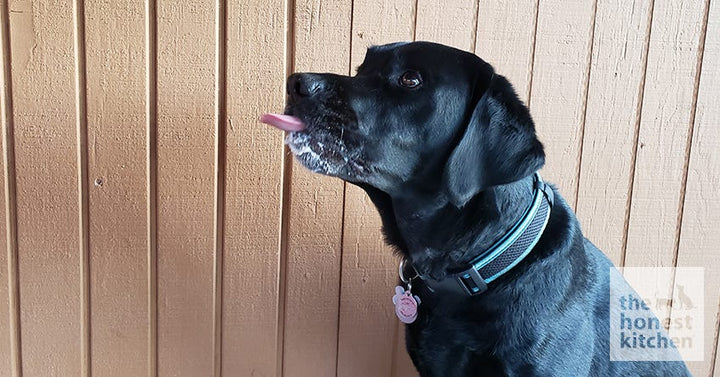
(416,116)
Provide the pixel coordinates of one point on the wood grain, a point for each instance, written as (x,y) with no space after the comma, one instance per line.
(701,216)
(505,38)
(562,54)
(616,84)
(402,364)
(186,142)
(377,22)
(254,158)
(662,143)
(367,318)
(454,26)
(9,345)
(314,230)
(48,204)
(367,324)
(117,159)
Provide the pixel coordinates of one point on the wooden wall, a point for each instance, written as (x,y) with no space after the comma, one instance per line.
(152,227)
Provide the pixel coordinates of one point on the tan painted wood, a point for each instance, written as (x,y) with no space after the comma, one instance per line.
(616,78)
(254,158)
(454,26)
(186,133)
(378,22)
(117,159)
(666,119)
(505,36)
(8,251)
(402,364)
(6,327)
(46,150)
(369,268)
(314,230)
(699,238)
(367,319)
(562,51)
(662,142)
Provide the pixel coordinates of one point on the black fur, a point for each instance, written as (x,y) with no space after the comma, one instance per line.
(448,165)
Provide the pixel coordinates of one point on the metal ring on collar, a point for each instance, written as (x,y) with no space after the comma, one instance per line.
(401,272)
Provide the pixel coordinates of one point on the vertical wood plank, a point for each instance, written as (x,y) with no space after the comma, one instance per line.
(562,54)
(83,181)
(614,96)
(151,59)
(664,125)
(314,229)
(46,150)
(402,364)
(505,38)
(221,121)
(8,249)
(186,123)
(367,320)
(699,238)
(453,26)
(378,22)
(368,324)
(253,188)
(117,165)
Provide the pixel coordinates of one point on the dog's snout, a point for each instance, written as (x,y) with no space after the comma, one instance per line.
(303,85)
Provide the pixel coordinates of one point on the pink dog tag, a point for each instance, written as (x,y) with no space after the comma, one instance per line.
(406,305)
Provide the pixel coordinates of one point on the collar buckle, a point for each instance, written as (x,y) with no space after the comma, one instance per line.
(468,282)
(471,281)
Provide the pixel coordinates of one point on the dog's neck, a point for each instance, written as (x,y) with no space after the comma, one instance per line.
(439,237)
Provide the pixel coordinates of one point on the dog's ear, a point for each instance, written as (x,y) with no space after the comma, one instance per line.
(498,146)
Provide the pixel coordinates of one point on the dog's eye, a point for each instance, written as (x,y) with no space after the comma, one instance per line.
(411,79)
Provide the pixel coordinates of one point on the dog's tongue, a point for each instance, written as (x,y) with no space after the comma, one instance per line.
(283,122)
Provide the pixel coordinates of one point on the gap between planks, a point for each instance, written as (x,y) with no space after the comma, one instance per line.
(342,215)
(691,131)
(636,136)
(586,90)
(686,166)
(220,177)
(151,175)
(10,198)
(532,53)
(285,198)
(82,162)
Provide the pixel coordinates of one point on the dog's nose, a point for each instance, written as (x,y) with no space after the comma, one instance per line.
(303,85)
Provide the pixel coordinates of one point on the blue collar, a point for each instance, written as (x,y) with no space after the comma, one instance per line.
(504,254)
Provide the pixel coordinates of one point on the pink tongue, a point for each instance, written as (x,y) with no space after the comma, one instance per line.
(283,122)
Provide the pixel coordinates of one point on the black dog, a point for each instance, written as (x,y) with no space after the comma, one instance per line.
(448,154)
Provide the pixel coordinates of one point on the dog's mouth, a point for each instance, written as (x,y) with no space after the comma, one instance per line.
(320,146)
